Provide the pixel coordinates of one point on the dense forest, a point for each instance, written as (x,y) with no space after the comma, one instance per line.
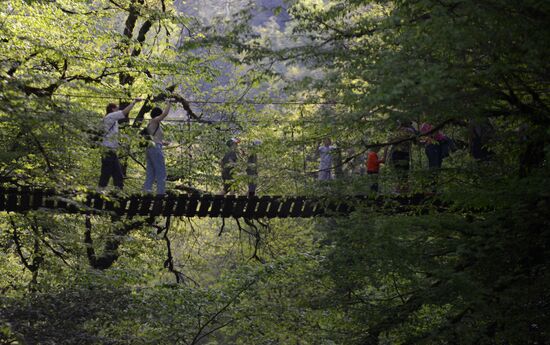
(450,98)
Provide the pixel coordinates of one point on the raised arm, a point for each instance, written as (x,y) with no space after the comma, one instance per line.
(129,107)
(161,117)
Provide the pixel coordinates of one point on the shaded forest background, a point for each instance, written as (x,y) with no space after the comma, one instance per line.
(289,74)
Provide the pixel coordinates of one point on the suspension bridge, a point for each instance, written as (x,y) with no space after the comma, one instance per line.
(23,200)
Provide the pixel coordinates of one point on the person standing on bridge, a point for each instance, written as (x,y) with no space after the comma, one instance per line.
(435,145)
(228,163)
(252,168)
(400,153)
(156,166)
(325,162)
(373,167)
(110,164)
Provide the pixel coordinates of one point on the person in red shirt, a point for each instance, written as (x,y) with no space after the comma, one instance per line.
(373,167)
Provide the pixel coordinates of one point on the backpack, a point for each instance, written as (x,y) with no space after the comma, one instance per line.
(96,134)
(146,137)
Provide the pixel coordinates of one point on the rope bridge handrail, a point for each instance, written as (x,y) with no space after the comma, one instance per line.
(193,205)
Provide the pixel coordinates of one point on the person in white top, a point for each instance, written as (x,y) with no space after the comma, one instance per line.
(156,167)
(110,164)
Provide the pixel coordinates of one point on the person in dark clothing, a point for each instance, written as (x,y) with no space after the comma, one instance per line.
(435,144)
(252,168)
(481,133)
(400,154)
(228,163)
(110,164)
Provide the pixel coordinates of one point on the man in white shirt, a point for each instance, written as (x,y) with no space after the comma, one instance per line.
(110,164)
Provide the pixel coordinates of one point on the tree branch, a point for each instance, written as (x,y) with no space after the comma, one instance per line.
(169,262)
(199,335)
(18,247)
(110,250)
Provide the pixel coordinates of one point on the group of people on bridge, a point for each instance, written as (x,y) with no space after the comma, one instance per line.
(155,161)
(155,166)
(437,147)
(229,163)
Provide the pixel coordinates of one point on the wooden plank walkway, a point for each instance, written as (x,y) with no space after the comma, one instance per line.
(189,205)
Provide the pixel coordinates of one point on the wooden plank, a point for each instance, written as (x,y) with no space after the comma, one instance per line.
(330,209)
(145,207)
(120,206)
(216,208)
(297,207)
(2,199)
(285,207)
(181,205)
(191,210)
(98,202)
(309,207)
(89,200)
(61,205)
(250,209)
(13,199)
(12,204)
(66,204)
(273,207)
(74,207)
(263,205)
(157,205)
(204,208)
(240,204)
(228,205)
(49,201)
(324,208)
(37,199)
(169,204)
(134,206)
(109,204)
(25,202)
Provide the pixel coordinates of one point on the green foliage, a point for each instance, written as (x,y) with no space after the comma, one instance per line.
(471,268)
